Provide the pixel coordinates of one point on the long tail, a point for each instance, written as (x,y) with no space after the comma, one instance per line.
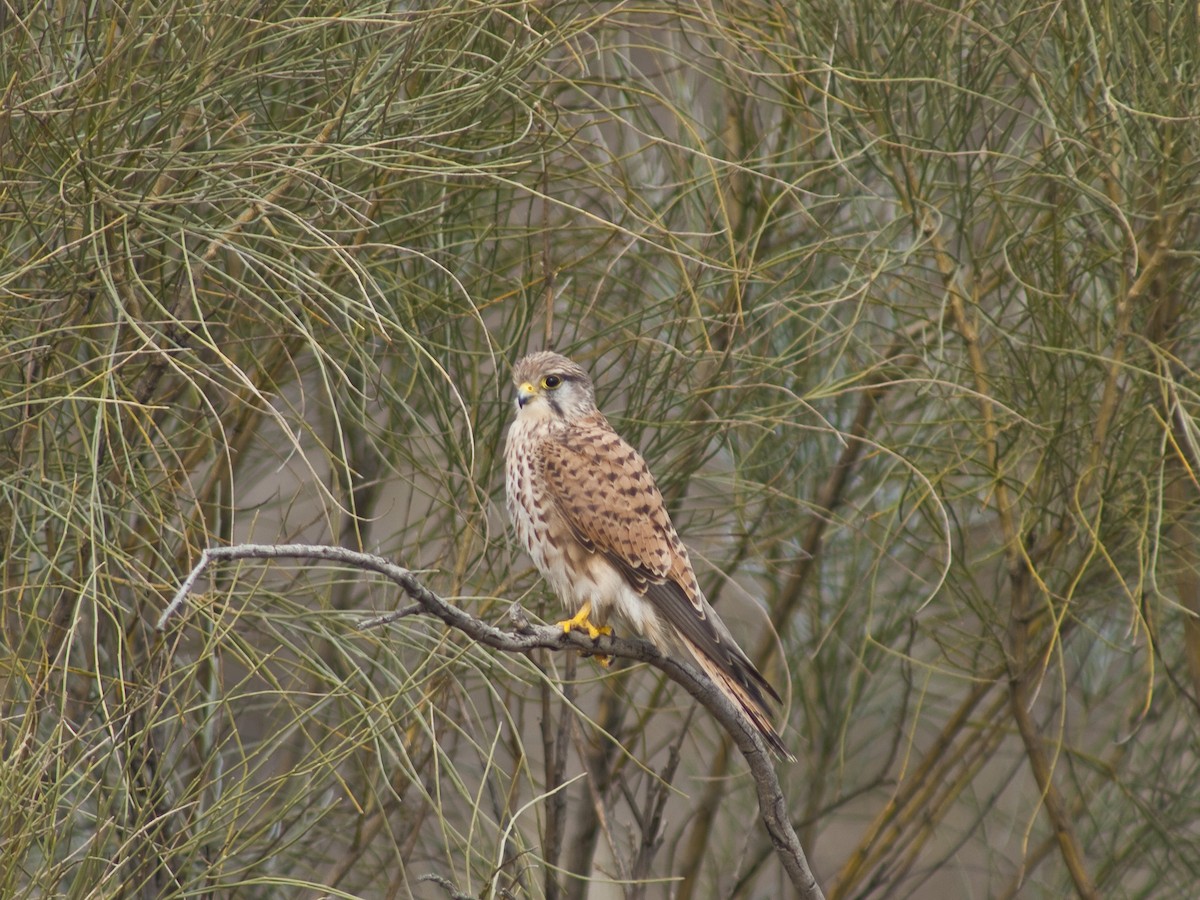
(740,687)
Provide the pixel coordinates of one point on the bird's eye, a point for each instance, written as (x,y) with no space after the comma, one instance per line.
(550,382)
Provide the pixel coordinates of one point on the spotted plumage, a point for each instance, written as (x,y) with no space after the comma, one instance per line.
(587,510)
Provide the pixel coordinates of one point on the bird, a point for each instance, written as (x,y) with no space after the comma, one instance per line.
(587,510)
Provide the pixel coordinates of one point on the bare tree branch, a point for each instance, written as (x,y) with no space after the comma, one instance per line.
(527,637)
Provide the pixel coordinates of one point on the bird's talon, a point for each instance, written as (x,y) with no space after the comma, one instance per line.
(595,634)
(581,622)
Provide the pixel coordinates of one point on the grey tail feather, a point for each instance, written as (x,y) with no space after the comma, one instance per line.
(747,697)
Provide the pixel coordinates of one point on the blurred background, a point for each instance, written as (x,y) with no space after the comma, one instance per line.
(898,300)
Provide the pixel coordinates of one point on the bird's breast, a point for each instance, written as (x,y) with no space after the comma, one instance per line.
(575,572)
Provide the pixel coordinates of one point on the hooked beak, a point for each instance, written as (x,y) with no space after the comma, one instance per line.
(525,393)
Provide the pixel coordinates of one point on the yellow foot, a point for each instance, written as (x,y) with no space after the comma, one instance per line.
(581,622)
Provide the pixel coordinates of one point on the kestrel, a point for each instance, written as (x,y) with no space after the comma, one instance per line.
(588,511)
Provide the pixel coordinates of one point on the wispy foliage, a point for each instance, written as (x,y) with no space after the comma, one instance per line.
(900,301)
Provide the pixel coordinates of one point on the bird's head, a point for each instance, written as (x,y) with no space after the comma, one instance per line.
(550,385)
